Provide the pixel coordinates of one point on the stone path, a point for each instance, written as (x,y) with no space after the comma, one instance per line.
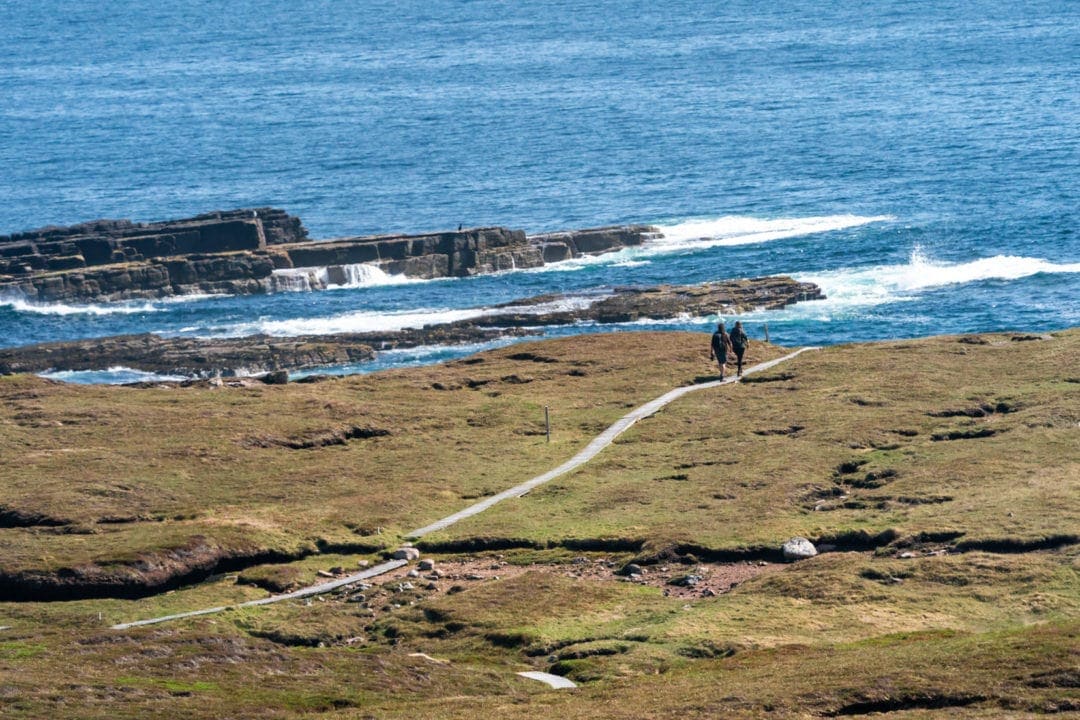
(588,453)
(303,592)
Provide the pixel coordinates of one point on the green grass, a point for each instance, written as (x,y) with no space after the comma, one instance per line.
(967,605)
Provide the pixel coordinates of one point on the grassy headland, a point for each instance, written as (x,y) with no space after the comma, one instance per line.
(943,474)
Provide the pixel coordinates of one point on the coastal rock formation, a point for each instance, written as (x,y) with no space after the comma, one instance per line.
(192,357)
(263,250)
(117,259)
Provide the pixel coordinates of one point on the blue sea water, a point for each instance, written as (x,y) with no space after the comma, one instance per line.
(919,160)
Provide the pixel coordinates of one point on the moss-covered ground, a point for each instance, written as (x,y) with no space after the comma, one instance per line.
(940,477)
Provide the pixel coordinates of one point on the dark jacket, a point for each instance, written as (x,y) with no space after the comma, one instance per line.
(720,344)
(739,341)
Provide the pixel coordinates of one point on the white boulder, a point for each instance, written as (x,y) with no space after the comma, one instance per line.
(798,548)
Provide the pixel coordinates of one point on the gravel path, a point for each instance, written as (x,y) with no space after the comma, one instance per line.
(592,449)
(588,453)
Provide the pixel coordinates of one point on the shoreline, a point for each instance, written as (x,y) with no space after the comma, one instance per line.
(252,355)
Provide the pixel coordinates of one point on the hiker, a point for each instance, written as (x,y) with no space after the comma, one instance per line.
(739,342)
(720,347)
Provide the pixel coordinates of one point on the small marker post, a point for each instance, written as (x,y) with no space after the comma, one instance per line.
(547,423)
(766,332)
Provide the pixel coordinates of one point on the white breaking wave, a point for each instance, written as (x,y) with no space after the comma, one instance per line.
(729,230)
(354,322)
(126,308)
(374,321)
(354,275)
(740,230)
(116,375)
(890,283)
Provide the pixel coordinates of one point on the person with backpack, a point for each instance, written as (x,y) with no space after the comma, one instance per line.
(720,347)
(739,343)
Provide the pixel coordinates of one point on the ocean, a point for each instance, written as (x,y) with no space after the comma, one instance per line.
(918,160)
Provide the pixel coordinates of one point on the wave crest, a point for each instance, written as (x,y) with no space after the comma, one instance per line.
(889,283)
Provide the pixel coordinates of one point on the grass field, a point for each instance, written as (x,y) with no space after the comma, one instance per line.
(939,477)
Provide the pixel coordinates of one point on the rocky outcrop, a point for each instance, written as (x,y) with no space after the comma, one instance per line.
(193,357)
(227,357)
(663,302)
(220,252)
(262,250)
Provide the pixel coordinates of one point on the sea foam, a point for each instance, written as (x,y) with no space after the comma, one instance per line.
(117,375)
(889,283)
(741,230)
(360,321)
(22,305)
(728,230)
(355,275)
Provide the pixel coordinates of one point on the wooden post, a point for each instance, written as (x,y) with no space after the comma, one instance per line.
(766,332)
(547,423)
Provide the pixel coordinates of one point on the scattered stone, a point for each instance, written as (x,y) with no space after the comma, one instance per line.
(276,377)
(630,569)
(364,563)
(427,564)
(413,574)
(406,553)
(685,580)
(798,548)
(707,592)
(402,587)
(325,574)
(454,589)
(907,555)
(337,570)
(431,586)
(474,576)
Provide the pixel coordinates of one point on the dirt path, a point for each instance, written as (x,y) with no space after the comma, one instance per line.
(588,453)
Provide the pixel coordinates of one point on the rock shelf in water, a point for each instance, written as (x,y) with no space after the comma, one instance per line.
(262,250)
(196,357)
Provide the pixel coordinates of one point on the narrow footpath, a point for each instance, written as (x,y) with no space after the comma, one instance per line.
(588,453)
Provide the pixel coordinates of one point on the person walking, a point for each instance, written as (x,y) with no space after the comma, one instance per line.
(739,343)
(720,347)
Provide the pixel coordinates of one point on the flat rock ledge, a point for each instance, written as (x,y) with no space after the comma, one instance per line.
(263,250)
(227,357)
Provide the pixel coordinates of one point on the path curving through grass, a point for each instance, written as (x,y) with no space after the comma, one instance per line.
(588,453)
(593,448)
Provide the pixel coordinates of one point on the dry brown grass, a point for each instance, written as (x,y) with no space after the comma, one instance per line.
(968,607)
